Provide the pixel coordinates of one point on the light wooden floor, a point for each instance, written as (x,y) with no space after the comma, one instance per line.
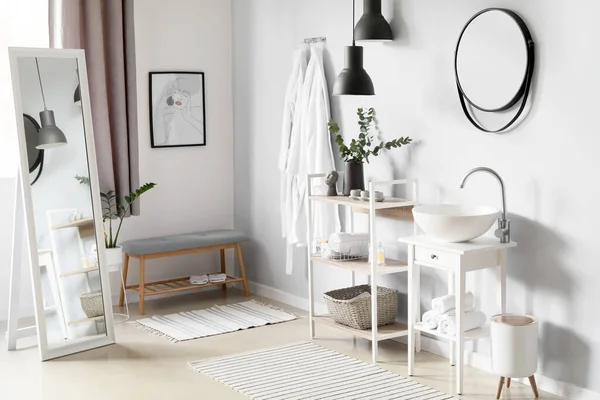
(144,366)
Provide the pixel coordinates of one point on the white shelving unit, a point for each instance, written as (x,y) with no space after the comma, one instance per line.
(390,206)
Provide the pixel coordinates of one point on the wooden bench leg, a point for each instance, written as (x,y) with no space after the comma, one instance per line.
(125,268)
(242,269)
(223,268)
(142,283)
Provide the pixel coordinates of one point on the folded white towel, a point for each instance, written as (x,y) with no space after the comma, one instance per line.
(471,320)
(355,244)
(199,280)
(430,319)
(446,303)
(220,277)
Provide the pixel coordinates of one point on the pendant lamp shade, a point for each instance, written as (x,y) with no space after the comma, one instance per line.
(50,136)
(372,26)
(353,80)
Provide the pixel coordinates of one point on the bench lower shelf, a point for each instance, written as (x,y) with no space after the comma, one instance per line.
(177,285)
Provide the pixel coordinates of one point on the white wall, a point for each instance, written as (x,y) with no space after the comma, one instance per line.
(548,163)
(195,184)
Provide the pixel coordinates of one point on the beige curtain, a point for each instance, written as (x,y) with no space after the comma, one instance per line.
(104,29)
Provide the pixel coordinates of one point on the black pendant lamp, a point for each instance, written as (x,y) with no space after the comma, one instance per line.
(372,26)
(50,135)
(77,95)
(353,80)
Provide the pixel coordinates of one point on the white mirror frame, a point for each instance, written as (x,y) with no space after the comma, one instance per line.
(77,345)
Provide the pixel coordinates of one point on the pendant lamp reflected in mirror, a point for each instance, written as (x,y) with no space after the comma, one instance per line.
(353,80)
(77,95)
(49,136)
(372,26)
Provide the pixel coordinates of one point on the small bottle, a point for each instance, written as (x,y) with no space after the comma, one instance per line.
(380,254)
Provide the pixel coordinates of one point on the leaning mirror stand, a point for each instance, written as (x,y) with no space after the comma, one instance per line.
(73,308)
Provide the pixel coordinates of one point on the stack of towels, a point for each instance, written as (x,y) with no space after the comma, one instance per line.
(204,279)
(443,315)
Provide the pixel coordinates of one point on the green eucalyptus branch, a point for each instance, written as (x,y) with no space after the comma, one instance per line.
(359,150)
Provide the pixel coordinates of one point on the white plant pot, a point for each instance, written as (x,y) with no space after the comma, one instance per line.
(514,340)
(114,259)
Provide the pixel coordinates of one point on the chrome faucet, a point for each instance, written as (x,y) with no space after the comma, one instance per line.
(503,231)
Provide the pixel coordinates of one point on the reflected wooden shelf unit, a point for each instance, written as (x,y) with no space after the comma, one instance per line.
(79,271)
(397,329)
(177,285)
(364,267)
(85,226)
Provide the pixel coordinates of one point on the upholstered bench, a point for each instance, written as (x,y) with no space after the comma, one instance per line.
(176,245)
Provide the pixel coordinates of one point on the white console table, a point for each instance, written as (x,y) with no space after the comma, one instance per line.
(456,259)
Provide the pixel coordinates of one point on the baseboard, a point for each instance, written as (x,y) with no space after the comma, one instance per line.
(439,347)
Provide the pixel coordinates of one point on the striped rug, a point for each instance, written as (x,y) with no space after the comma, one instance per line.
(309,371)
(216,320)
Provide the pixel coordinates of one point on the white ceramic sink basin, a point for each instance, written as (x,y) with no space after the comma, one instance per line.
(455,223)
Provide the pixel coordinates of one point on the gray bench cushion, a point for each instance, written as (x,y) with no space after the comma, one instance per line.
(183,242)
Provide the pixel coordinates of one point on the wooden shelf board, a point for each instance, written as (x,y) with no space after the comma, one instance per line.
(397,329)
(80,321)
(76,224)
(79,271)
(177,285)
(388,202)
(364,267)
(473,334)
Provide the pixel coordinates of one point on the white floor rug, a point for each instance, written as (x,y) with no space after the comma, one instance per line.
(216,320)
(309,371)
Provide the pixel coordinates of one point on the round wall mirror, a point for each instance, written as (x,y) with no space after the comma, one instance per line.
(494,61)
(34,155)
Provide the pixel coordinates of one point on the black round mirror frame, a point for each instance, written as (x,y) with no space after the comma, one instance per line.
(39,160)
(522,93)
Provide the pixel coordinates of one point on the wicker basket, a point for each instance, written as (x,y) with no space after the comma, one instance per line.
(347,307)
(92,304)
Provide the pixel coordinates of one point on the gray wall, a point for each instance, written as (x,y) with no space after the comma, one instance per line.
(548,163)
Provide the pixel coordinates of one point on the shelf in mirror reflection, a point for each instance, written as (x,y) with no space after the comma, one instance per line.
(85,225)
(79,271)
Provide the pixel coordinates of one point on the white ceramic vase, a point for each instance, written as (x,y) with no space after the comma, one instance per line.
(514,340)
(114,259)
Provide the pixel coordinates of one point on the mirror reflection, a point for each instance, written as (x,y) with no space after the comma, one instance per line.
(61,199)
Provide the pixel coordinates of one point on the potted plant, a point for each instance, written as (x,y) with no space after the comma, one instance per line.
(359,150)
(112,210)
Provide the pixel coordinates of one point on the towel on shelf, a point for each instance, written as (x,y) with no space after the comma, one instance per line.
(354,244)
(446,303)
(471,320)
(220,277)
(430,319)
(199,279)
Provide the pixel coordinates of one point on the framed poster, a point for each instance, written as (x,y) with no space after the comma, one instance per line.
(177,111)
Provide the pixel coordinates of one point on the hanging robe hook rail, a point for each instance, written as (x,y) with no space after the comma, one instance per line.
(320,39)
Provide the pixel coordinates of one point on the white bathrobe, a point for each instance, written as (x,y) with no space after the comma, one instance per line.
(288,161)
(305,148)
(317,155)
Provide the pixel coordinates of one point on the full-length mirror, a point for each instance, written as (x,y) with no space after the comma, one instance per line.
(63,206)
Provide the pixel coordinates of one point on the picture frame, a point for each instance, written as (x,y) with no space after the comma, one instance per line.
(177,109)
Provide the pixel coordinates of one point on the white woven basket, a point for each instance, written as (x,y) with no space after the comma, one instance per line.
(92,304)
(347,307)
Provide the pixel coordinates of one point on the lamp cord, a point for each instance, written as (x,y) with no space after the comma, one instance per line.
(353,18)
(40,80)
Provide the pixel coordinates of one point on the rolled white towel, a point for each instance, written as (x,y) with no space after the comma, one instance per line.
(446,303)
(220,277)
(199,280)
(430,319)
(472,320)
